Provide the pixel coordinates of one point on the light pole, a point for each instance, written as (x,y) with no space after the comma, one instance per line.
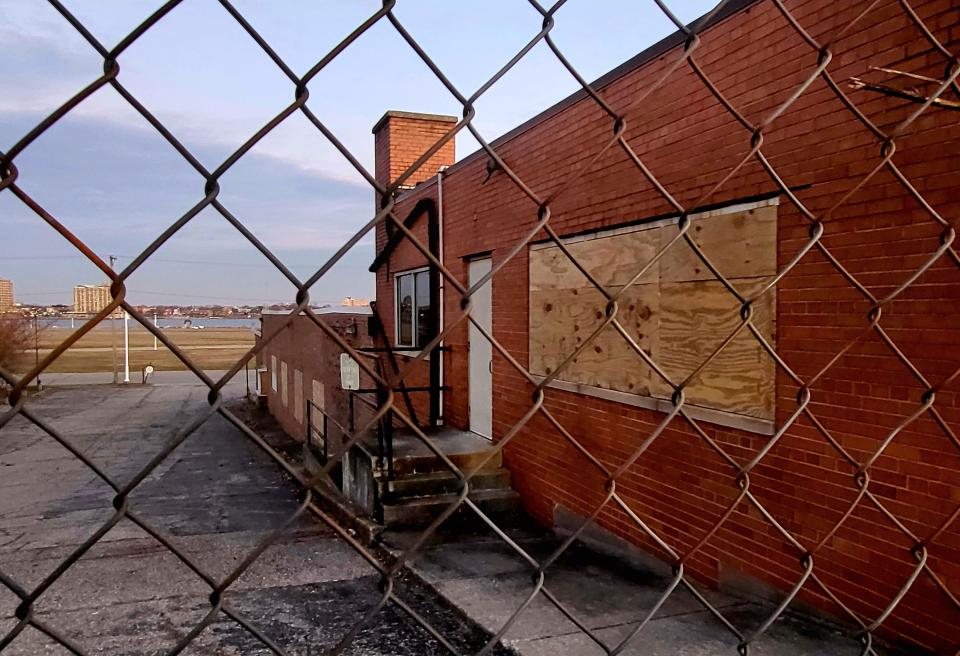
(113,333)
(154,335)
(126,347)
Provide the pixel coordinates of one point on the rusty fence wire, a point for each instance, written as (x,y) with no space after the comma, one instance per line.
(539,223)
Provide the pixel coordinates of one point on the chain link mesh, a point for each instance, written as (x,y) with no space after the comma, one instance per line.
(540,223)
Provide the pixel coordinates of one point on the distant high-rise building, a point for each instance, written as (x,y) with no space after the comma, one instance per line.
(6,295)
(90,299)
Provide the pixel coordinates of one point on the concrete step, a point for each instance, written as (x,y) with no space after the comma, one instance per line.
(464,449)
(442,482)
(421,463)
(414,511)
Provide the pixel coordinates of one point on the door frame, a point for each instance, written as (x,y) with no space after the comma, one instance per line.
(476,373)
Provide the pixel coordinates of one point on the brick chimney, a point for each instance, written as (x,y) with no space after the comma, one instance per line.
(400,138)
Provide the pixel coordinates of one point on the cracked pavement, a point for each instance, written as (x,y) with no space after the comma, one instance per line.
(215,497)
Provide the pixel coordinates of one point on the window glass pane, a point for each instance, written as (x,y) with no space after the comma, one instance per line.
(405,310)
(424,311)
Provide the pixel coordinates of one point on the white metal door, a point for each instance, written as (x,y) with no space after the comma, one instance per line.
(481,353)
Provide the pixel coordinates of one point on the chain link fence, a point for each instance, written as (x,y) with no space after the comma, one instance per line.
(740,471)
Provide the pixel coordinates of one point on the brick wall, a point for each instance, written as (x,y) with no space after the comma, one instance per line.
(400,138)
(680,486)
(303,351)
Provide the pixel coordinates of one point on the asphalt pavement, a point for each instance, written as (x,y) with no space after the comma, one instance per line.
(218,495)
(215,497)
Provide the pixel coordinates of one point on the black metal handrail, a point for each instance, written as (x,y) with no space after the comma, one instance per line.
(384,426)
(312,410)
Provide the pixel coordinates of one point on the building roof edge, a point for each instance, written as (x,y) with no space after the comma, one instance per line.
(642,58)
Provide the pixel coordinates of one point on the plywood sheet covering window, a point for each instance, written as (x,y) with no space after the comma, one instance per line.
(677,312)
(319,401)
(561,319)
(298,396)
(695,318)
(738,244)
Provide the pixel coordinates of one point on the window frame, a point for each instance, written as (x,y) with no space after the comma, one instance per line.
(414,318)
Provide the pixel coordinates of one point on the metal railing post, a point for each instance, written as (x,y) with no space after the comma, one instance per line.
(350,421)
(388,440)
(309,423)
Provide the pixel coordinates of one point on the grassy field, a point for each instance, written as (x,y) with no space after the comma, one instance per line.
(210,349)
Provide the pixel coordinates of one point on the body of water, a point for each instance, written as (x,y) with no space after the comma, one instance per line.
(162,322)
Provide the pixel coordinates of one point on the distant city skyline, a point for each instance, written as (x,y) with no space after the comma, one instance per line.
(10,300)
(91,298)
(112,180)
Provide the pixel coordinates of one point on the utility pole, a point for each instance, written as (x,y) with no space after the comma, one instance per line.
(113,334)
(154,337)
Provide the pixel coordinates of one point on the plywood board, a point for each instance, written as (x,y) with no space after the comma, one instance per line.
(298,396)
(696,316)
(740,245)
(320,402)
(678,313)
(562,319)
(612,260)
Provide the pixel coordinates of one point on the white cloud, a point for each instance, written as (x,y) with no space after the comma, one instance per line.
(48,62)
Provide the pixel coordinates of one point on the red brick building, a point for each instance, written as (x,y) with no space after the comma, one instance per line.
(613,219)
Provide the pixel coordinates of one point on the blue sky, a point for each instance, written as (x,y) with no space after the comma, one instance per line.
(110,178)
